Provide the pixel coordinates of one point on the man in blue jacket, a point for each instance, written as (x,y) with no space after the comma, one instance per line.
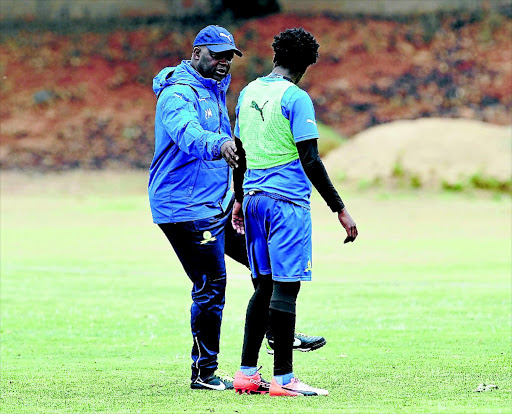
(190,189)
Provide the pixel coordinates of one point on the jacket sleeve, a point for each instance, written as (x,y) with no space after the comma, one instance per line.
(181,121)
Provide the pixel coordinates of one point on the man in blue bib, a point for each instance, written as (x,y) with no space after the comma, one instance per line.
(276,137)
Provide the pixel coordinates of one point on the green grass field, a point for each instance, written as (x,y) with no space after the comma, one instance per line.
(95,306)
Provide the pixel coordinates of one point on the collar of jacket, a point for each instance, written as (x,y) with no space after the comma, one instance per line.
(184,73)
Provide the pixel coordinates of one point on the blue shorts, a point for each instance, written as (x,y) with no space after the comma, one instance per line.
(278,236)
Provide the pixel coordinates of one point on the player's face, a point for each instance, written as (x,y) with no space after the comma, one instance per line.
(210,64)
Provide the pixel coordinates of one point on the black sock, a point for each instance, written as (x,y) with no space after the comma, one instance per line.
(256,320)
(283,326)
(268,333)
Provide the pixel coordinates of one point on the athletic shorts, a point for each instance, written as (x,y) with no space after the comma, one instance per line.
(278,237)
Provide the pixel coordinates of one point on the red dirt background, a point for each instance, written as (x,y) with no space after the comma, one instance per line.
(85,100)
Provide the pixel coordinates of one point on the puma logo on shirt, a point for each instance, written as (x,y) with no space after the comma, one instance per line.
(255,106)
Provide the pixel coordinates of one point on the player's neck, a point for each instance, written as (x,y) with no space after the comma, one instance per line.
(287,74)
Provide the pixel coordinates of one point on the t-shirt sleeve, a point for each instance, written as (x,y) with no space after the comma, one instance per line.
(298,108)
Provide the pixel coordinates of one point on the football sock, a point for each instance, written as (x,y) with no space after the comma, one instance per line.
(284,379)
(250,371)
(282,324)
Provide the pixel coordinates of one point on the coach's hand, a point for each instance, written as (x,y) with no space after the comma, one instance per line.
(237,218)
(348,224)
(228,152)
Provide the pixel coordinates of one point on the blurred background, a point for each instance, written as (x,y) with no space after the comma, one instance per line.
(415,92)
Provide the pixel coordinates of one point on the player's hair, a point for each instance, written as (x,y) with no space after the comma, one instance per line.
(295,49)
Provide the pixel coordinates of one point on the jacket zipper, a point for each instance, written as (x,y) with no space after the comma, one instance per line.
(220,110)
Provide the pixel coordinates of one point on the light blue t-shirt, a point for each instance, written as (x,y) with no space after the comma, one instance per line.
(288,181)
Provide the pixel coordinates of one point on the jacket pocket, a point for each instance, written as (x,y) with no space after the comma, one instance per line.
(212,182)
(183,182)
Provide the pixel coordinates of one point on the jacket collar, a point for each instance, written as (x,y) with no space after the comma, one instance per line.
(184,73)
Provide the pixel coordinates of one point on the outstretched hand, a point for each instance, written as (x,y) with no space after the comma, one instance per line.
(237,218)
(228,152)
(348,224)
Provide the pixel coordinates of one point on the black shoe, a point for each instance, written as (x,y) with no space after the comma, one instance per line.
(301,342)
(213,382)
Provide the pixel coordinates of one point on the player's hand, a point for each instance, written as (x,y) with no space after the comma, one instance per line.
(237,218)
(348,224)
(228,152)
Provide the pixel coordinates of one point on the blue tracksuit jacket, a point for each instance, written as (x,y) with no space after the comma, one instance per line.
(188,179)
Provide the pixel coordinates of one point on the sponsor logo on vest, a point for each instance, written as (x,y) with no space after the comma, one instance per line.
(208,113)
(256,106)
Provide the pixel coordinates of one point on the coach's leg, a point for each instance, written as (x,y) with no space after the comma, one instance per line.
(200,247)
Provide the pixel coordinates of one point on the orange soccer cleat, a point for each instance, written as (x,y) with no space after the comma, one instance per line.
(250,384)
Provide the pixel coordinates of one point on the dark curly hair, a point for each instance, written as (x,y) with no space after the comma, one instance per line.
(295,49)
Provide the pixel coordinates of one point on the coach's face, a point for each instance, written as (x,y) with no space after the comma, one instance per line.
(210,64)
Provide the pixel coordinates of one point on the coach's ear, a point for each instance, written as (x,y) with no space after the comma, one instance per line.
(196,53)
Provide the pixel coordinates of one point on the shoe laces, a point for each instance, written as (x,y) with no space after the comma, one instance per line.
(261,377)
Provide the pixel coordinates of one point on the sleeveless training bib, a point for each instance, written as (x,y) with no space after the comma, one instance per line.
(264,131)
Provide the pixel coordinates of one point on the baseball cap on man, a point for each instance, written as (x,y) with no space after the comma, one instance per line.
(217,39)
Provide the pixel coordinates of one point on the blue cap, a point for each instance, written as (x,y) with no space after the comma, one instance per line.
(217,39)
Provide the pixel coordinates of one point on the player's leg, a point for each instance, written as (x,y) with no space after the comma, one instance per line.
(200,247)
(282,322)
(289,244)
(236,249)
(256,320)
(247,378)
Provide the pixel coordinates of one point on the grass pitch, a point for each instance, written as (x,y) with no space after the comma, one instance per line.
(95,306)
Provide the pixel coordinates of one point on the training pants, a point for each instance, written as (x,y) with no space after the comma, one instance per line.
(200,246)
